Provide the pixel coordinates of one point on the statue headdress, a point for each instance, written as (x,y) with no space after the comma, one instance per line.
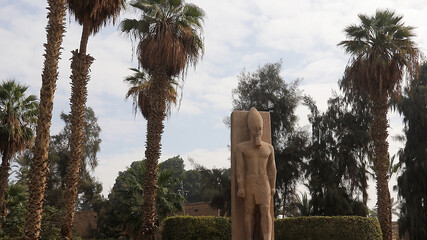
(254,117)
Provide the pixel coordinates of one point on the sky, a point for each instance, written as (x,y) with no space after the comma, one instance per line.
(238,35)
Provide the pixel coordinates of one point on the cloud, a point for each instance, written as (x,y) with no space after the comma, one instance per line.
(110,166)
(209,158)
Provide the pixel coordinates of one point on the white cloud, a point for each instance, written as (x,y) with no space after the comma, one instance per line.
(110,166)
(209,158)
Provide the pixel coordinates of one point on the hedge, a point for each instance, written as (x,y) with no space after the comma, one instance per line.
(196,228)
(298,228)
(331,228)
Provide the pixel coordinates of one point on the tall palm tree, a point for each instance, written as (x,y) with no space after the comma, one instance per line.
(169,35)
(55,31)
(92,14)
(18,116)
(382,50)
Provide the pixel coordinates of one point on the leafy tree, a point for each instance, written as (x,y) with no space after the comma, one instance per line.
(18,115)
(55,31)
(382,50)
(266,90)
(124,214)
(89,191)
(169,35)
(16,204)
(412,182)
(92,14)
(337,163)
(192,186)
(300,206)
(216,188)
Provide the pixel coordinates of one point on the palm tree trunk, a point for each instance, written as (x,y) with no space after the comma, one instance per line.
(381,162)
(55,31)
(155,128)
(80,75)
(85,35)
(4,176)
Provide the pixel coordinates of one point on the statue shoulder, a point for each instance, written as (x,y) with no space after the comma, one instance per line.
(269,146)
(243,145)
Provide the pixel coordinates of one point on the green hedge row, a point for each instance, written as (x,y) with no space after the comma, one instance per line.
(299,228)
(331,228)
(196,228)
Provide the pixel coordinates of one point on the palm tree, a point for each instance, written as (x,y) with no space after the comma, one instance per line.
(18,116)
(382,51)
(140,85)
(55,31)
(169,35)
(92,14)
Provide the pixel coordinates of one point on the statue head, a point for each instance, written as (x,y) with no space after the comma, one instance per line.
(255,125)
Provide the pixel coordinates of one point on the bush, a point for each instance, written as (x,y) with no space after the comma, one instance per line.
(298,228)
(331,228)
(196,228)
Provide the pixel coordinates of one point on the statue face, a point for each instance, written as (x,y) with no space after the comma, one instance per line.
(256,130)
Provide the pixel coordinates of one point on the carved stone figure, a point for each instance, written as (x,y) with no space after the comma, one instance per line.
(255,175)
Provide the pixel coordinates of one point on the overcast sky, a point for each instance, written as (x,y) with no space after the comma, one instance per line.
(238,35)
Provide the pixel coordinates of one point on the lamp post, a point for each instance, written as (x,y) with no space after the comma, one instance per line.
(183,194)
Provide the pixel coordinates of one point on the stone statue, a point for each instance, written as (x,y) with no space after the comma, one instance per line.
(255,172)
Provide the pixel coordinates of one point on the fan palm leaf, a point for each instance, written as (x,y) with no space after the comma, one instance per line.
(139,90)
(18,115)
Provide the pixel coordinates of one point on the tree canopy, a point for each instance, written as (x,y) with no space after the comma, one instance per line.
(412,182)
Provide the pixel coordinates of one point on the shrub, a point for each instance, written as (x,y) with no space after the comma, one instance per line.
(331,228)
(196,228)
(298,228)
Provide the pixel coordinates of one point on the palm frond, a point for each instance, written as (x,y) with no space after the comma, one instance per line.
(97,12)
(383,51)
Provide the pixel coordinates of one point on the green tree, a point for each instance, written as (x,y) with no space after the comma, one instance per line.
(18,115)
(92,14)
(266,90)
(16,204)
(382,50)
(301,206)
(412,183)
(216,188)
(169,35)
(124,213)
(338,158)
(192,186)
(89,190)
(55,31)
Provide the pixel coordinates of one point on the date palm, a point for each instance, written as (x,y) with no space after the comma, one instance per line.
(139,90)
(382,50)
(92,15)
(55,31)
(18,116)
(169,35)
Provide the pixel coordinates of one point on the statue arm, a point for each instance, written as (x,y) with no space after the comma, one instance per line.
(240,168)
(272,171)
